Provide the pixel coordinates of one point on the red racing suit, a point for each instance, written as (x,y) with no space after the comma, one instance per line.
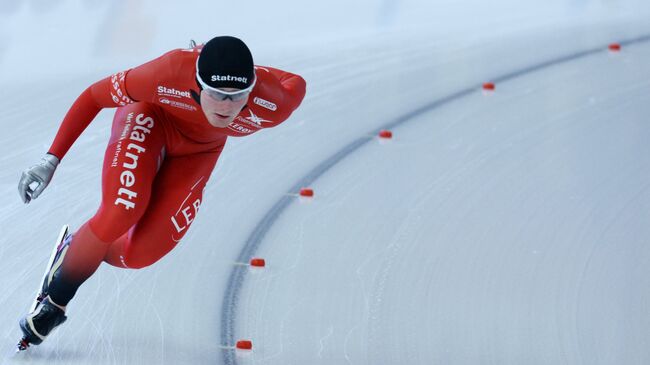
(160,155)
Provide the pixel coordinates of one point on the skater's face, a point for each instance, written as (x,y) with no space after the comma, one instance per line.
(221,109)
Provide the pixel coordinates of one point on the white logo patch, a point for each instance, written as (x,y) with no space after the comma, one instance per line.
(265,104)
(257,120)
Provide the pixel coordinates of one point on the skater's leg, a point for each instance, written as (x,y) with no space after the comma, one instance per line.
(130,165)
(175,201)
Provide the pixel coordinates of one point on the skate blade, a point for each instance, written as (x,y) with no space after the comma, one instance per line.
(59,240)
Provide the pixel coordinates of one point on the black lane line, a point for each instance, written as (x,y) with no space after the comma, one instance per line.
(237,275)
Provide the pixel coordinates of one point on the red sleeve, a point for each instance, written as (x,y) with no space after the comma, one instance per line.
(293,85)
(277,94)
(110,92)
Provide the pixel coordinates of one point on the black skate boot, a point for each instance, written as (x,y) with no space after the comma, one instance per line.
(44,316)
(39,324)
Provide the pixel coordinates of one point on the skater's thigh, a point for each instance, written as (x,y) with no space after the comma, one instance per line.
(130,164)
(175,200)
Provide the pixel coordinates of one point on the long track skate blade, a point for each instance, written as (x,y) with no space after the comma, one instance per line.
(62,234)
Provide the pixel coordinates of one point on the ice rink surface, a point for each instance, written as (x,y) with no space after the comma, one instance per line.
(495,227)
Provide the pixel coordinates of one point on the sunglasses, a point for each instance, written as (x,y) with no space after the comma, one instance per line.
(220,95)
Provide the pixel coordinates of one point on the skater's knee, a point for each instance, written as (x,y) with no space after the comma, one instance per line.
(108,230)
(87,233)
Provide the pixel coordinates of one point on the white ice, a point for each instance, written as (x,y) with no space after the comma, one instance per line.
(505,227)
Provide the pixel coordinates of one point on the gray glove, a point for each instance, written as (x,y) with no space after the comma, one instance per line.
(40,175)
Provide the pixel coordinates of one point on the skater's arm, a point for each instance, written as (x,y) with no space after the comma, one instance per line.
(295,87)
(278,95)
(117,90)
(78,118)
(82,112)
(292,87)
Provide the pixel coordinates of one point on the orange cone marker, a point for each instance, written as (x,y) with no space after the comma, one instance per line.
(307,192)
(244,345)
(385,134)
(257,262)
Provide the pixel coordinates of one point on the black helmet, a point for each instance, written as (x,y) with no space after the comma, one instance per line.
(226,62)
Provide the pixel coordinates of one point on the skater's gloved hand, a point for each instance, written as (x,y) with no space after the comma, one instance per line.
(35,179)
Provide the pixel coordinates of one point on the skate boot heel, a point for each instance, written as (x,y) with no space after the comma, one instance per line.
(37,325)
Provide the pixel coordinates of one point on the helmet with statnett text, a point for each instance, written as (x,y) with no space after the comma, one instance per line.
(225,62)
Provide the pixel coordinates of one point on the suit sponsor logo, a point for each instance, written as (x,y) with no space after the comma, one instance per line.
(241,121)
(177,104)
(240,128)
(228,78)
(265,104)
(118,93)
(257,120)
(248,125)
(187,211)
(171,92)
(125,196)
